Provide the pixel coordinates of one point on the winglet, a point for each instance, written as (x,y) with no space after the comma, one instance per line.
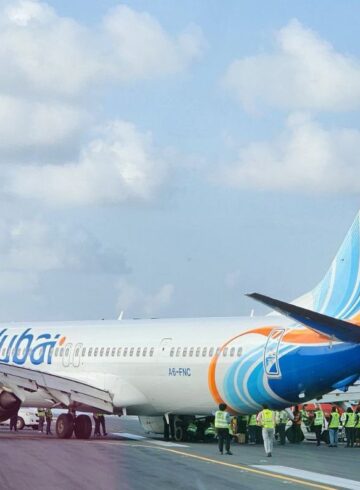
(332,327)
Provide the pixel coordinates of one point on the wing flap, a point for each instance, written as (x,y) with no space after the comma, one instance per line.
(65,391)
(332,327)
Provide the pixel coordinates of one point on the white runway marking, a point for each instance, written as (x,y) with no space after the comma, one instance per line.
(313,476)
(136,437)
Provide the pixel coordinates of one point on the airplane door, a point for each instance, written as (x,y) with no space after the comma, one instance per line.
(67,355)
(77,355)
(271,353)
(164,347)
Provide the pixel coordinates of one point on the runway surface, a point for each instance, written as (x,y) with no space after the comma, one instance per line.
(127,459)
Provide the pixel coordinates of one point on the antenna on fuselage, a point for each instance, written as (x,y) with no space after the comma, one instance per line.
(120,317)
(252,313)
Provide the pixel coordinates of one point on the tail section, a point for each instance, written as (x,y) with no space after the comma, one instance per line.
(338,294)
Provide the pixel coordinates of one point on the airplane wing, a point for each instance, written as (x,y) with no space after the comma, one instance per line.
(327,325)
(62,391)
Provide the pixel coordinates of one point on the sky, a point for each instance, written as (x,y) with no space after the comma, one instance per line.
(163,158)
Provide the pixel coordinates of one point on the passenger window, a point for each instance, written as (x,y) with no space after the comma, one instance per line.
(138,351)
(113,350)
(96,350)
(4,351)
(232,351)
(90,352)
(211,351)
(102,351)
(197,353)
(239,351)
(132,351)
(144,351)
(225,351)
(152,351)
(125,352)
(218,351)
(77,351)
(178,350)
(83,352)
(56,351)
(107,352)
(119,352)
(67,351)
(191,351)
(172,351)
(62,351)
(204,351)
(184,352)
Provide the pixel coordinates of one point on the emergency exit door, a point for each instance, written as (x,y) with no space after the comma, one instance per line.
(164,347)
(271,353)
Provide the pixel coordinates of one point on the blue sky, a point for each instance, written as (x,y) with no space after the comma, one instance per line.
(163,158)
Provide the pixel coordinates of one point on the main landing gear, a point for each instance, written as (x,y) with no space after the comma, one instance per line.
(66,425)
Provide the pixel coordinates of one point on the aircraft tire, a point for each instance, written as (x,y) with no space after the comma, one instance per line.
(82,427)
(20,424)
(64,426)
(179,435)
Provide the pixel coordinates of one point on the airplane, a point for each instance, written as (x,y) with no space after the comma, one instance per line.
(168,369)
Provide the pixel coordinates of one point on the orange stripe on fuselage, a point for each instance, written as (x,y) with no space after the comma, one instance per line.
(212,367)
(293,336)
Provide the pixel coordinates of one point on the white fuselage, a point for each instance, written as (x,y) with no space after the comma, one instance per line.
(153,367)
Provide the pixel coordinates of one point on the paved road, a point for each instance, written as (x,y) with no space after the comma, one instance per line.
(35,461)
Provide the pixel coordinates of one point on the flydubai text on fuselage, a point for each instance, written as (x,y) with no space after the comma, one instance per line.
(188,366)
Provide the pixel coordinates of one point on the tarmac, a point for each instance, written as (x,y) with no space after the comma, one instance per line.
(129,459)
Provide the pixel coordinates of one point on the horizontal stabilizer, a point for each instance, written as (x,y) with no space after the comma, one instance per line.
(327,325)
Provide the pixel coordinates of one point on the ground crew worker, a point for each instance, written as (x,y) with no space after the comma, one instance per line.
(242,422)
(304,415)
(318,423)
(357,427)
(266,419)
(192,430)
(97,425)
(210,432)
(41,416)
(233,427)
(281,419)
(13,422)
(222,421)
(348,420)
(334,423)
(297,434)
(102,423)
(252,428)
(48,418)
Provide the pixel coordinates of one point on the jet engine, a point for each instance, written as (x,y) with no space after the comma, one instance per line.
(9,405)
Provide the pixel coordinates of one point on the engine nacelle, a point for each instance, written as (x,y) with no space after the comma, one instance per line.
(9,405)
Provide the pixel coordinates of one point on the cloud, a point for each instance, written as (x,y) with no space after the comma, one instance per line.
(44,53)
(305,157)
(304,72)
(26,124)
(140,47)
(134,301)
(120,165)
(31,248)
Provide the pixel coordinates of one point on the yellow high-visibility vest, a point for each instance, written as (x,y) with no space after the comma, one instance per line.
(319,417)
(267,419)
(335,420)
(350,419)
(221,418)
